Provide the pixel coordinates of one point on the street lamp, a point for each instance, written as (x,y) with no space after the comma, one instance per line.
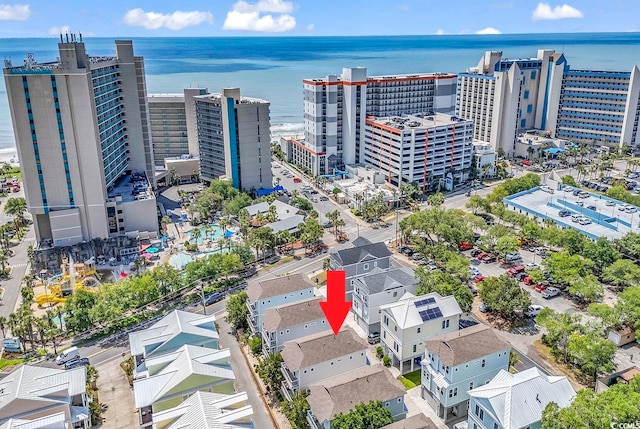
(200,289)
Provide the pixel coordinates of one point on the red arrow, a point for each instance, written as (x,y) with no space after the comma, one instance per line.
(335,308)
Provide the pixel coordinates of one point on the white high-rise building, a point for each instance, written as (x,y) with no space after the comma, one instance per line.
(505,97)
(84,142)
(234,139)
(336,107)
(420,149)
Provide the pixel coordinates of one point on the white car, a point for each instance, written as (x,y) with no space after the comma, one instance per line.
(532,266)
(533,310)
(584,221)
(550,292)
(610,203)
(474,272)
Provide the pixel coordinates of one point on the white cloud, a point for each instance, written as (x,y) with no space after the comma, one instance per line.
(251,17)
(489,30)
(273,6)
(545,12)
(440,32)
(311,27)
(16,12)
(173,21)
(56,31)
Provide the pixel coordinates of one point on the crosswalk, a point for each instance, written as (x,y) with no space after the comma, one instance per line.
(18,265)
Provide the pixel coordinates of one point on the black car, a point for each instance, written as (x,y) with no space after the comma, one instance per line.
(564,213)
(520,276)
(213,298)
(475,252)
(408,251)
(489,259)
(576,192)
(592,208)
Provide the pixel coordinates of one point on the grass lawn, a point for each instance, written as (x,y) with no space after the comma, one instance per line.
(411,379)
(9,362)
(320,277)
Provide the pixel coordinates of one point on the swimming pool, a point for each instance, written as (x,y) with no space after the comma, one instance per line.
(180,260)
(209,232)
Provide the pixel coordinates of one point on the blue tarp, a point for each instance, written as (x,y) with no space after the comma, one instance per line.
(554,150)
(228,233)
(262,192)
(152,250)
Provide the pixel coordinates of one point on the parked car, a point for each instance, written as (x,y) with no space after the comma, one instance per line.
(213,298)
(478,279)
(324,198)
(550,292)
(533,310)
(594,208)
(512,257)
(297,180)
(76,363)
(527,280)
(482,255)
(490,259)
(484,308)
(473,290)
(515,270)
(373,338)
(327,224)
(475,252)
(474,271)
(610,203)
(584,221)
(540,288)
(532,266)
(465,246)
(564,213)
(521,276)
(407,251)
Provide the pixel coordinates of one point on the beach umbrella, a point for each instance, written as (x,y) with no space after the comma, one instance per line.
(153,250)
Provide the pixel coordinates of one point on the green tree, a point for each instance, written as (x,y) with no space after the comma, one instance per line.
(237,311)
(531,232)
(296,410)
(77,308)
(628,306)
(255,346)
(436,200)
(586,289)
(167,278)
(504,296)
(592,353)
(559,327)
(569,180)
(445,284)
(566,268)
(618,404)
(372,415)
(16,207)
(268,368)
(311,231)
(622,273)
(506,244)
(601,252)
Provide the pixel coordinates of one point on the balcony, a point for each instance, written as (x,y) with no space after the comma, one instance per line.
(291,381)
(313,422)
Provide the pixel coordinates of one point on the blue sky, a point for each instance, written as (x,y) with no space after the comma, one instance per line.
(42,18)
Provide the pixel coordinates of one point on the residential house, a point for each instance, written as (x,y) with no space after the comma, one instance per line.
(206,410)
(166,380)
(516,401)
(340,394)
(317,357)
(275,292)
(379,288)
(406,324)
(624,377)
(172,332)
(417,421)
(359,261)
(40,397)
(282,210)
(291,321)
(457,362)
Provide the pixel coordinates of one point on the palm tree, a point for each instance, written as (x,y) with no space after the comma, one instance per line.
(16,207)
(4,258)
(27,294)
(3,325)
(92,376)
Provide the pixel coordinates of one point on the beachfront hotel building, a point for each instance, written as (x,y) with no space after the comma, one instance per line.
(421,149)
(505,97)
(336,108)
(234,139)
(83,138)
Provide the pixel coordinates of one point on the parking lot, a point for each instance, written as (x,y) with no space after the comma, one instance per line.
(605,214)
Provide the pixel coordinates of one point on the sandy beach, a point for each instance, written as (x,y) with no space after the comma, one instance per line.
(9,155)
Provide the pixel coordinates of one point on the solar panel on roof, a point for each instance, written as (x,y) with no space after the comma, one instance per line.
(426,301)
(430,313)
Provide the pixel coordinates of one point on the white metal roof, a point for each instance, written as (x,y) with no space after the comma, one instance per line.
(407,315)
(167,372)
(205,410)
(517,400)
(171,326)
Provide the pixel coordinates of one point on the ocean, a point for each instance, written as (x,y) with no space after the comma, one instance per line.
(273,67)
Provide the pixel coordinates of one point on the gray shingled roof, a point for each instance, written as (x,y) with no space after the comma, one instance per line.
(360,241)
(278,286)
(378,282)
(293,314)
(341,393)
(320,347)
(465,345)
(418,421)
(356,254)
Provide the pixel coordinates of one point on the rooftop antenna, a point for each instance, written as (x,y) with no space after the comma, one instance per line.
(67,37)
(61,40)
(80,36)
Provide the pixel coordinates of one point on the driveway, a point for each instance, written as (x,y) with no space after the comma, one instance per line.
(117,396)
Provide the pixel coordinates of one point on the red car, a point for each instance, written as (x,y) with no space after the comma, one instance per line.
(515,270)
(540,288)
(482,255)
(478,278)
(465,246)
(527,280)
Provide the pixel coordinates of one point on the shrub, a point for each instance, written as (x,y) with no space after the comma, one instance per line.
(379,352)
(255,345)
(386,361)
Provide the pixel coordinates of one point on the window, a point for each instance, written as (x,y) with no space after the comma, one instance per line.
(533,75)
(419,329)
(445,324)
(470,385)
(529,108)
(386,320)
(523,123)
(526,94)
(481,413)
(477,410)
(365,267)
(395,294)
(453,392)
(384,334)
(399,400)
(395,328)
(484,362)
(495,425)
(414,348)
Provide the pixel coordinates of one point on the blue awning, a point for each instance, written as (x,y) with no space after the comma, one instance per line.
(153,250)
(228,233)
(554,150)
